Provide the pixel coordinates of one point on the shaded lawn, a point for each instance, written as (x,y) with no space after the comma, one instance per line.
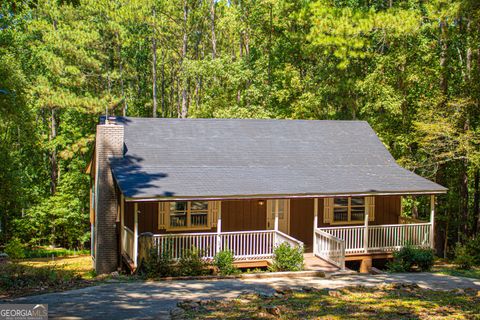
(43,252)
(80,265)
(383,302)
(450,269)
(41,275)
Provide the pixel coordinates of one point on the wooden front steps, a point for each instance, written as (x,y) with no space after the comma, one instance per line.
(313,262)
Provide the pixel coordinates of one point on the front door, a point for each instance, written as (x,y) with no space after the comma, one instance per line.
(283,215)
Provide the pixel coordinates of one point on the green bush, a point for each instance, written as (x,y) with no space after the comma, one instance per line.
(224,262)
(473,249)
(158,265)
(287,258)
(411,259)
(463,258)
(15,249)
(192,264)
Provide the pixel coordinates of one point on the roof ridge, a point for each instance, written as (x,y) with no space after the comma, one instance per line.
(245,119)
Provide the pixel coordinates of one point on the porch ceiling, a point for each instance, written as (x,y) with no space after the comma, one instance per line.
(231,158)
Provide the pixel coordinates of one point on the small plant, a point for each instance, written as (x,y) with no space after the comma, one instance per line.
(224,262)
(158,265)
(191,263)
(410,258)
(15,249)
(287,258)
(463,258)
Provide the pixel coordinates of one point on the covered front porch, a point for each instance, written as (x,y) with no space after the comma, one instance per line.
(332,244)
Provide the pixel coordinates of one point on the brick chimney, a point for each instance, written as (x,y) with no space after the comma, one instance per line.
(109,143)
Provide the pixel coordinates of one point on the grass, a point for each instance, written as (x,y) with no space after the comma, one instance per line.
(383,302)
(42,252)
(39,275)
(450,269)
(80,265)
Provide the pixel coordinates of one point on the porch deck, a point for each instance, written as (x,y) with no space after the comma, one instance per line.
(332,246)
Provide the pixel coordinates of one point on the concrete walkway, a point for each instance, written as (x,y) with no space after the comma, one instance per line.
(153,300)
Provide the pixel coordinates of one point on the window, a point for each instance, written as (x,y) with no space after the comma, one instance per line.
(178,214)
(282,208)
(346,210)
(198,213)
(188,214)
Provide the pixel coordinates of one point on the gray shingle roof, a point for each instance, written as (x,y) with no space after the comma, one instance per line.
(185,158)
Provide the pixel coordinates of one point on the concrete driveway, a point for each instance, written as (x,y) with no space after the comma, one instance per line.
(154,300)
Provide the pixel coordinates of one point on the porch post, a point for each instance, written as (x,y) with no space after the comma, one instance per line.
(219,230)
(315,223)
(365,231)
(135,234)
(432,221)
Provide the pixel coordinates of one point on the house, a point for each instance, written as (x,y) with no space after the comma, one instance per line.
(247,185)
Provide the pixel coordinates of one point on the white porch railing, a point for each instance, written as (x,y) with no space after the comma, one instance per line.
(381,238)
(249,245)
(245,245)
(329,248)
(127,242)
(393,237)
(174,245)
(352,235)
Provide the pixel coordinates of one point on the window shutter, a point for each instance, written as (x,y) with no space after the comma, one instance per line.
(328,210)
(370,204)
(162,215)
(214,208)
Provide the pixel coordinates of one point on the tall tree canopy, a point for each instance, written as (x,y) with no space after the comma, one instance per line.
(410,68)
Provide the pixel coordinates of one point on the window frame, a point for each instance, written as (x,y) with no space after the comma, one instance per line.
(188,217)
(349,211)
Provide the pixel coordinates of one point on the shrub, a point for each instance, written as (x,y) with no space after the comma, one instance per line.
(410,259)
(15,249)
(224,262)
(191,263)
(287,258)
(473,249)
(463,258)
(156,266)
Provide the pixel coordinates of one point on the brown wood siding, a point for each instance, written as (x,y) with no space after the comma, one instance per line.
(320,213)
(243,215)
(147,217)
(387,209)
(128,215)
(301,221)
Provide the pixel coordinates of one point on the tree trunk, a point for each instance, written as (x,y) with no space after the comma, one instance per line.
(163,84)
(214,39)
(414,208)
(269,72)
(443,58)
(53,154)
(464,230)
(154,66)
(240,49)
(476,202)
(184,110)
(445,243)
(120,66)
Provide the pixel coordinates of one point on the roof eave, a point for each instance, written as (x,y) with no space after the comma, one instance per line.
(284,196)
